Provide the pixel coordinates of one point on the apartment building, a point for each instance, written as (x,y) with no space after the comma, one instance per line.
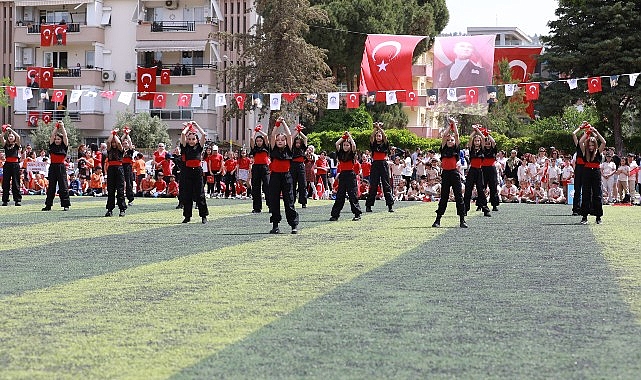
(106,40)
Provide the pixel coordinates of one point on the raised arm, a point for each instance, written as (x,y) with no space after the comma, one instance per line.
(203,134)
(288,132)
(601,140)
(114,137)
(475,131)
(453,131)
(299,132)
(183,134)
(582,142)
(346,137)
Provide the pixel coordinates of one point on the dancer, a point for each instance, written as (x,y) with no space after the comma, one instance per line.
(115,175)
(280,180)
(346,155)
(11,173)
(191,176)
(58,147)
(490,175)
(298,166)
(578,169)
(475,173)
(591,191)
(260,171)
(450,177)
(380,169)
(127,164)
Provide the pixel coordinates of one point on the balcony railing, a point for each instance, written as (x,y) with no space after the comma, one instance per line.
(55,114)
(172,114)
(73,27)
(178,69)
(70,72)
(173,26)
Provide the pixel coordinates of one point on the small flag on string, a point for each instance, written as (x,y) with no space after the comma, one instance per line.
(275,101)
(27,93)
(160,100)
(240,100)
(290,96)
(633,78)
(390,97)
(573,83)
(75,96)
(594,85)
(510,89)
(352,99)
(614,80)
(11,91)
(451,95)
(332,101)
(125,97)
(58,96)
(472,95)
(184,100)
(221,100)
(531,91)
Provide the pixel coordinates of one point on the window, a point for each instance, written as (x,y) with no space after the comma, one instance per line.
(90,59)
(56,59)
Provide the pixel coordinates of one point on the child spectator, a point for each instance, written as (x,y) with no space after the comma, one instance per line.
(160,187)
(147,186)
(74,185)
(526,195)
(96,181)
(555,194)
(172,188)
(509,192)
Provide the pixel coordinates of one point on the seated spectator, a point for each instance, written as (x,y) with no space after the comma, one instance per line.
(540,195)
(555,194)
(74,185)
(399,190)
(147,185)
(432,188)
(364,189)
(172,188)
(509,192)
(414,192)
(527,195)
(160,187)
(96,182)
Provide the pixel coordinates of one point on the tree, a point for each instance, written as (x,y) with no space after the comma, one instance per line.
(598,38)
(41,135)
(277,59)
(4,97)
(146,131)
(343,36)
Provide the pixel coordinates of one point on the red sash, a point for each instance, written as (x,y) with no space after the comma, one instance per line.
(192,163)
(448,163)
(260,158)
(344,166)
(58,158)
(280,166)
(476,162)
(379,156)
(13,160)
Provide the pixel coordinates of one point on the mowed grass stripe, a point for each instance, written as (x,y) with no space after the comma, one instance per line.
(153,320)
(524,294)
(621,244)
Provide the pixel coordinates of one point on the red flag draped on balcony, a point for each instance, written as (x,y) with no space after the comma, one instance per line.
(387,62)
(46,117)
(522,60)
(32,120)
(146,79)
(46,34)
(165,76)
(60,31)
(33,75)
(46,77)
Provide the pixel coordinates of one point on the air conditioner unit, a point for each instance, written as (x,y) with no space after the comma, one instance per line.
(108,76)
(171,4)
(130,77)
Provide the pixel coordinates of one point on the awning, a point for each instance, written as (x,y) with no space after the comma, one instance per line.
(171,45)
(36,3)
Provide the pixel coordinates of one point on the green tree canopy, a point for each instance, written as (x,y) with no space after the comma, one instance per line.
(146,131)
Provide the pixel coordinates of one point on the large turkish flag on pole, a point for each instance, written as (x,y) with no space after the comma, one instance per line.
(522,61)
(387,62)
(146,79)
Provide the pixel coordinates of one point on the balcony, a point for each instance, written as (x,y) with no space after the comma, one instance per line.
(173,26)
(174,31)
(68,77)
(76,33)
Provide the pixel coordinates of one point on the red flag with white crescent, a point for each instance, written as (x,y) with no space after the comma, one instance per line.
(594,85)
(240,100)
(108,94)
(46,77)
(165,76)
(32,120)
(411,98)
(160,100)
(11,91)
(184,100)
(60,32)
(46,118)
(387,62)
(146,78)
(522,60)
(290,96)
(33,75)
(531,91)
(46,35)
(58,96)
(353,99)
(472,95)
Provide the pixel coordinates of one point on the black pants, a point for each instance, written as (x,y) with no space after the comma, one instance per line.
(230,184)
(260,181)
(282,183)
(116,188)
(129,181)
(591,192)
(578,187)
(451,178)
(11,179)
(490,179)
(379,173)
(58,176)
(297,169)
(217,180)
(474,178)
(346,186)
(192,190)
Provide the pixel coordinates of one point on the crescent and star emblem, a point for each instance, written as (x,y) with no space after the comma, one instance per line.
(594,82)
(532,88)
(412,95)
(521,64)
(31,73)
(239,99)
(59,30)
(184,98)
(472,92)
(142,79)
(46,74)
(352,98)
(33,119)
(383,65)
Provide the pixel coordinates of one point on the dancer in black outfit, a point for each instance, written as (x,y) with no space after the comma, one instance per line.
(280,180)
(298,166)
(191,175)
(475,173)
(11,168)
(591,190)
(346,155)
(58,147)
(115,175)
(379,147)
(450,176)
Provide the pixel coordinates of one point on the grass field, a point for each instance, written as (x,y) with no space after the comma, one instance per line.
(528,293)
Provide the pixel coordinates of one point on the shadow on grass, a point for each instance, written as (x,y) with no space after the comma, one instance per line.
(452,308)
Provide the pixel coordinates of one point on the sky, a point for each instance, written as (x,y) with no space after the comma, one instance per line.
(529,16)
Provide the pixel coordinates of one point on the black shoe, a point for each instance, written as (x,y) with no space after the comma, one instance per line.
(494,208)
(121,213)
(333,219)
(575,214)
(130,203)
(256,211)
(65,209)
(463,224)
(274,230)
(203,220)
(179,207)
(487,213)
(356,217)
(584,220)
(436,224)
(304,206)
(389,209)
(598,220)
(186,220)
(108,213)
(5,204)
(368,208)
(46,208)
(18,204)
(295,230)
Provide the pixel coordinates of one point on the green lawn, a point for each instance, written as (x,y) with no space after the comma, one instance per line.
(528,293)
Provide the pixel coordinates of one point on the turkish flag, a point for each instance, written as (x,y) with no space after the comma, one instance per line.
(411,98)
(353,99)
(46,117)
(146,78)
(387,62)
(522,60)
(160,100)
(165,76)
(240,100)
(184,100)
(33,75)
(60,32)
(58,96)
(594,85)
(11,91)
(32,120)
(531,91)
(472,95)
(290,96)
(46,34)
(46,77)
(108,94)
